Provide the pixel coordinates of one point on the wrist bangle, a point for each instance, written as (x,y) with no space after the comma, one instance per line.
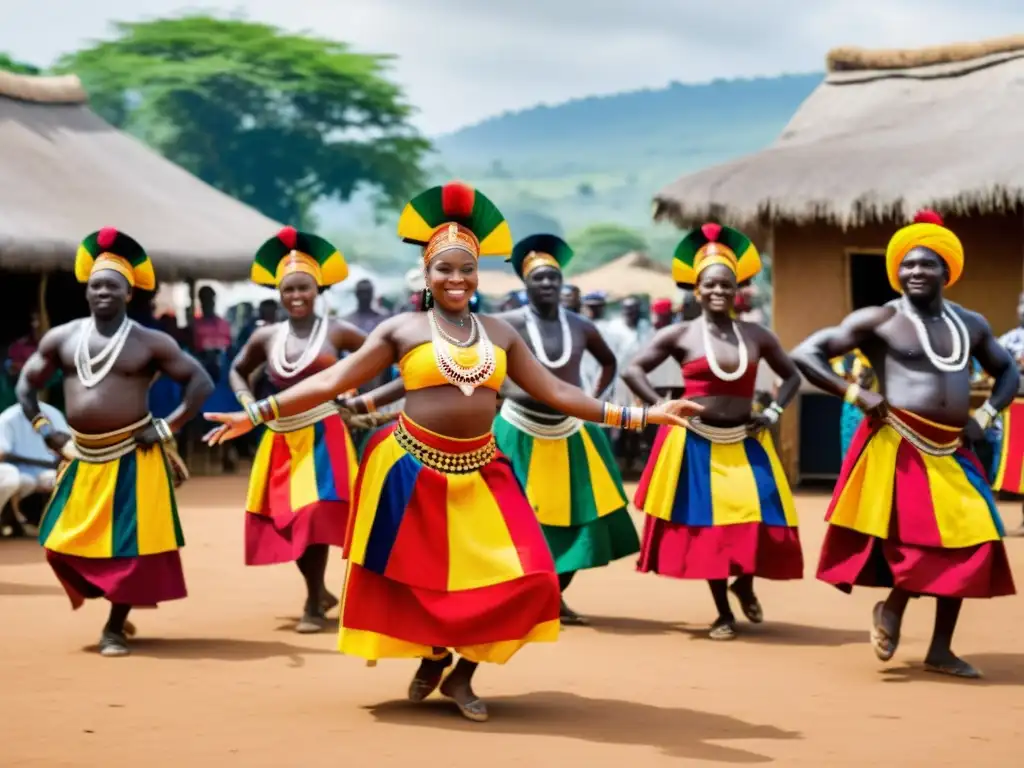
(163,429)
(262,411)
(852,393)
(773,413)
(612,415)
(368,403)
(244,398)
(40,422)
(985,415)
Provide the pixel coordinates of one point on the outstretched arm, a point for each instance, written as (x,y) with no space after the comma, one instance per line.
(654,354)
(813,354)
(545,387)
(598,347)
(385,394)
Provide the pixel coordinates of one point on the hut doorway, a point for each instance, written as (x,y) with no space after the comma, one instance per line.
(869,283)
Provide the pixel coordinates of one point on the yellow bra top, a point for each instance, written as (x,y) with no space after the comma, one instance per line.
(419,369)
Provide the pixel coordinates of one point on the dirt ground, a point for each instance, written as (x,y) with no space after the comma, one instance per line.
(220,679)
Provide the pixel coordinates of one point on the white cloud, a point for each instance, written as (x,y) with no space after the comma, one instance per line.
(464,60)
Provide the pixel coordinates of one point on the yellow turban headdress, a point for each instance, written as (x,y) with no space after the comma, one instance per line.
(113,250)
(929,232)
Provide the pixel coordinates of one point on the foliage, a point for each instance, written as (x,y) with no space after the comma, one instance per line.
(7,64)
(273,119)
(600,243)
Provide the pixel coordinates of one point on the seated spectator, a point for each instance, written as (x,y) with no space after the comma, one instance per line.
(27,466)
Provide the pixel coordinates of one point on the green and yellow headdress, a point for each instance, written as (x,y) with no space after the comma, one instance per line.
(714,244)
(455,216)
(291,251)
(115,251)
(537,251)
(928,231)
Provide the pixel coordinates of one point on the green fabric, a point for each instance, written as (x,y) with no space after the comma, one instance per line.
(592,545)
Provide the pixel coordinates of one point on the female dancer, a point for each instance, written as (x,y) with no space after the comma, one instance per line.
(302,476)
(444,550)
(717,501)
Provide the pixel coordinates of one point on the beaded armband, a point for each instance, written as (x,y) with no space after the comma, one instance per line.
(624,417)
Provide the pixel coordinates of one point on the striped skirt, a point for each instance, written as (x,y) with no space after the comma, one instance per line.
(575,489)
(913,510)
(1009,469)
(441,558)
(717,505)
(299,491)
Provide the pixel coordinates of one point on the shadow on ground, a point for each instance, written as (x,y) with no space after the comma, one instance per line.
(219,649)
(997,668)
(768,633)
(11,589)
(677,732)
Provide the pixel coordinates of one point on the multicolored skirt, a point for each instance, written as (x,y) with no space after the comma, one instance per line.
(574,486)
(717,504)
(111,528)
(300,487)
(1009,470)
(912,509)
(443,551)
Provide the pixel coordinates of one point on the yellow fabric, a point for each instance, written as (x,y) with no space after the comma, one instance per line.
(375,473)
(413,227)
(715,253)
(932,236)
(535,260)
(296,261)
(85,526)
(451,236)
(141,276)
(419,370)
(480,550)
(865,502)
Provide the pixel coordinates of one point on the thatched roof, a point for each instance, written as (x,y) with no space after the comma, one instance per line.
(68,173)
(633,274)
(886,133)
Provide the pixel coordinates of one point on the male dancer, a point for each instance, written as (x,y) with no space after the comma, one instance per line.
(912,509)
(567,467)
(111,528)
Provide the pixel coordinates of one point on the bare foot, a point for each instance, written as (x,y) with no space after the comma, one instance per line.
(470,705)
(948,663)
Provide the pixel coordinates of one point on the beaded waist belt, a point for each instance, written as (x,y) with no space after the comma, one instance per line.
(721,435)
(541,426)
(109,446)
(443,461)
(304,419)
(919,441)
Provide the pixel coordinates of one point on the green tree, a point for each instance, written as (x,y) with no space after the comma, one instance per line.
(273,119)
(600,243)
(7,64)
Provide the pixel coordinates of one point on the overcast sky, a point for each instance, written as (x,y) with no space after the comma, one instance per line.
(463,60)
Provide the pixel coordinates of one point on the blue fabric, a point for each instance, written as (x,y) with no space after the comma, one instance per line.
(851,418)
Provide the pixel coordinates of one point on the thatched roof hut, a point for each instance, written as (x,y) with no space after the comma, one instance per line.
(633,274)
(886,133)
(69,173)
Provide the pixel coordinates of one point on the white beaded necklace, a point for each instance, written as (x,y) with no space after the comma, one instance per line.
(961,354)
(709,353)
(533,331)
(85,364)
(467,379)
(314,343)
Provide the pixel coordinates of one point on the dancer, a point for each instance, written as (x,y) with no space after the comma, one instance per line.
(111,528)
(912,509)
(565,465)
(302,476)
(717,501)
(1007,431)
(445,553)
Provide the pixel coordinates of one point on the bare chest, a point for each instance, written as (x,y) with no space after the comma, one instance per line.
(133,359)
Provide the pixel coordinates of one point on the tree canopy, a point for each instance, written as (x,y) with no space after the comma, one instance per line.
(600,243)
(7,64)
(276,120)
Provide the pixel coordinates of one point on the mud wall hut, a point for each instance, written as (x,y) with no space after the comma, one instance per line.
(885,134)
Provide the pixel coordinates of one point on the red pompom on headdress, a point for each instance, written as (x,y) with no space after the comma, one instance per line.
(928,216)
(289,236)
(106,238)
(711,231)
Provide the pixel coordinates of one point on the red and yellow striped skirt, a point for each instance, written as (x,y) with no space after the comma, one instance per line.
(444,551)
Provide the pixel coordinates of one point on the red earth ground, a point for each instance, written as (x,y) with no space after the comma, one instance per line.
(220,679)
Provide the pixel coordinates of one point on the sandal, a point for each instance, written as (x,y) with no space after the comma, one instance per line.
(954,667)
(883,642)
(723,630)
(310,624)
(113,644)
(750,605)
(421,687)
(474,709)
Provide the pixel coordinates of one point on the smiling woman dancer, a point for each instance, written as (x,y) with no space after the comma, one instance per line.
(444,550)
(304,470)
(717,501)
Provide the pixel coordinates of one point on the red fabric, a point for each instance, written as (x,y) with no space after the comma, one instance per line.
(1013,475)
(20,351)
(507,611)
(661,306)
(212,333)
(289,236)
(718,552)
(420,552)
(266,543)
(141,581)
(850,558)
(457,200)
(699,381)
(927,216)
(711,231)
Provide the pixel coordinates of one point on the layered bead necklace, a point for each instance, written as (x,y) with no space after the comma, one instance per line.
(85,364)
(464,364)
(533,331)
(957,360)
(709,353)
(314,343)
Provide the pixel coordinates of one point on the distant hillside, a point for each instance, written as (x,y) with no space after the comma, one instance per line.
(600,159)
